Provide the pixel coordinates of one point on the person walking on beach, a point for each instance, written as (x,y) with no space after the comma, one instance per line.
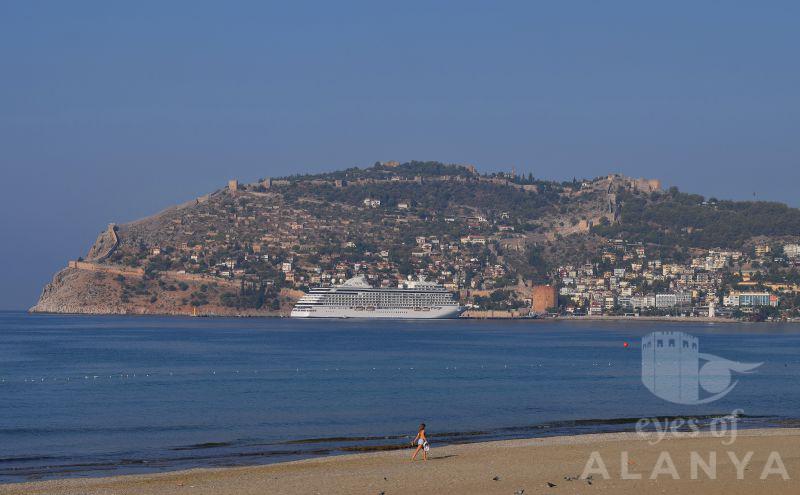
(421,441)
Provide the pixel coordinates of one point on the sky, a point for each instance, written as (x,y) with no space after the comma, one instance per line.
(111,110)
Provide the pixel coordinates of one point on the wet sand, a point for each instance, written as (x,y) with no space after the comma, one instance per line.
(504,467)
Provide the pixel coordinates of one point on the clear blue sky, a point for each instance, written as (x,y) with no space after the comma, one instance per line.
(113,110)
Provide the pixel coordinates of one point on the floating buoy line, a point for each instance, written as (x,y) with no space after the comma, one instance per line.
(265,374)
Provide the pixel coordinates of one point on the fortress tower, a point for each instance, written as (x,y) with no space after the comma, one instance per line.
(543,297)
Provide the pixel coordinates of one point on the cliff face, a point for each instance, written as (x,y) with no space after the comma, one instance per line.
(77,291)
(92,287)
(87,288)
(105,244)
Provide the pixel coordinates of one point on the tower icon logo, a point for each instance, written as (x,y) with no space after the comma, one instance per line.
(674,369)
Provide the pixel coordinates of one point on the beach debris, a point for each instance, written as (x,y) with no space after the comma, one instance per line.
(521,491)
(551,485)
(496,478)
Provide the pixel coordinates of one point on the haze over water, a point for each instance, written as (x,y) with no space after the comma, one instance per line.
(101,395)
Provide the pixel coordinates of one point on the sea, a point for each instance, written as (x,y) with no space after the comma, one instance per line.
(105,395)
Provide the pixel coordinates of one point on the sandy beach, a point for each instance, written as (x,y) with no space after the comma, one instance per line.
(504,467)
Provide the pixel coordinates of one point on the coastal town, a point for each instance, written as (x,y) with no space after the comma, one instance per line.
(712,283)
(506,245)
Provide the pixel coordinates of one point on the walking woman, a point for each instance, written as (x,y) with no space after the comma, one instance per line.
(421,441)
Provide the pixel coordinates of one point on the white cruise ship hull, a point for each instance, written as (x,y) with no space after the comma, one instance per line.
(355,298)
(392,313)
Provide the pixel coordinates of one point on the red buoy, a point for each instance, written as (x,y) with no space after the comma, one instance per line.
(625,345)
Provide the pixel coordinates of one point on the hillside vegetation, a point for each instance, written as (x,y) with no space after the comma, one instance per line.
(253,248)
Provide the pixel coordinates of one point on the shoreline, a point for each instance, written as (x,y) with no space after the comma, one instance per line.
(676,319)
(699,319)
(528,464)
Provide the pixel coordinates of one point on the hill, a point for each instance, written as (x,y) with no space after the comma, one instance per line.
(251,249)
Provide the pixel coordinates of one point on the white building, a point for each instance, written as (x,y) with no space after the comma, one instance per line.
(473,239)
(750,299)
(791,250)
(643,301)
(666,300)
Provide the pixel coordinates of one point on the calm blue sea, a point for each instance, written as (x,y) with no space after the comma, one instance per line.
(89,396)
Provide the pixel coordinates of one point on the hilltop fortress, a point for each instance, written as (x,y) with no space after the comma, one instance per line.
(252,249)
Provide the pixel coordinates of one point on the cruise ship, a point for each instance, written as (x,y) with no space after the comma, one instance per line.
(356,298)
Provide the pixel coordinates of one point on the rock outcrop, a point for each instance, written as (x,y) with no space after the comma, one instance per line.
(105,244)
(78,291)
(89,288)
